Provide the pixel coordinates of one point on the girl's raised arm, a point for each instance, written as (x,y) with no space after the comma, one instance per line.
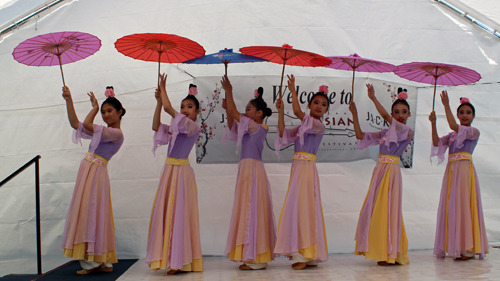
(357,129)
(381,110)
(280,106)
(157,115)
(295,100)
(231,110)
(73,119)
(88,124)
(435,136)
(449,115)
(163,95)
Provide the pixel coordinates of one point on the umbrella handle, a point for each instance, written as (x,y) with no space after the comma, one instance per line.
(434,96)
(60,67)
(352,86)
(159,63)
(282,73)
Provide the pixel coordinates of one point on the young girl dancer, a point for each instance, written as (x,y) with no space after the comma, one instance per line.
(460,230)
(381,235)
(301,230)
(89,232)
(174,232)
(252,234)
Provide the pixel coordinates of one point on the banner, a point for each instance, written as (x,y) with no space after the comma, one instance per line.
(339,141)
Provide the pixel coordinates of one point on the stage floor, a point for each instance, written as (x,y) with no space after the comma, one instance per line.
(423,266)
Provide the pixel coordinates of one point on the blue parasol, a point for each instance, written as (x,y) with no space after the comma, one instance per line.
(225,56)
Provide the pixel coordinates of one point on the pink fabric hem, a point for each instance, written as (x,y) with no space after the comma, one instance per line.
(299,229)
(89,218)
(438,151)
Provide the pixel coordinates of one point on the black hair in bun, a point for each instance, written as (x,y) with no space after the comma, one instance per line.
(260,104)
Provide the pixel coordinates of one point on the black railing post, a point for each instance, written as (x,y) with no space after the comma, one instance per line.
(38,230)
(35,160)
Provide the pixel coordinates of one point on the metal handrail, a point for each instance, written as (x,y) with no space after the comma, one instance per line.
(35,160)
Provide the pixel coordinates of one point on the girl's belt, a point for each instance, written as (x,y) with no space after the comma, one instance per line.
(96,159)
(459,156)
(176,161)
(389,159)
(304,156)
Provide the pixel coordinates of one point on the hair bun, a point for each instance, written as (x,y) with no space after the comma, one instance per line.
(193,90)
(464,100)
(258,92)
(268,112)
(403,95)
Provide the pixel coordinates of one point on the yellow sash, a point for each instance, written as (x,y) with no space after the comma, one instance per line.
(389,159)
(304,156)
(177,162)
(459,156)
(96,159)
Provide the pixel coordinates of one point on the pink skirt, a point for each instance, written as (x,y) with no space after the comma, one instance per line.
(460,223)
(89,232)
(252,233)
(174,231)
(301,228)
(381,235)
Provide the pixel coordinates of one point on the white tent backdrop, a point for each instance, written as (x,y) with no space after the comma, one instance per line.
(33,115)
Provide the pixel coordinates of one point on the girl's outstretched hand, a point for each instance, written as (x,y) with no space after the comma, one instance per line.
(226,84)
(352,108)
(66,93)
(444,98)
(291,82)
(279,105)
(163,81)
(432,117)
(93,100)
(371,91)
(224,103)
(158,95)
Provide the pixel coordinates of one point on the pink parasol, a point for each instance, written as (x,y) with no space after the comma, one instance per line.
(286,55)
(56,49)
(357,63)
(437,74)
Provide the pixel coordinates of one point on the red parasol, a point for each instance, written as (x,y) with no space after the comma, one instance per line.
(286,55)
(56,49)
(159,47)
(437,74)
(357,63)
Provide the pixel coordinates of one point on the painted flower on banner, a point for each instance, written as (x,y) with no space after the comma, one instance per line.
(206,131)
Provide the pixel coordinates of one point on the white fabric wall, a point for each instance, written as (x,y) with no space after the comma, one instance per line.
(33,116)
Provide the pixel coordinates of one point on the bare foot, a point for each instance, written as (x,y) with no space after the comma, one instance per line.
(104,268)
(172,271)
(86,271)
(300,265)
(464,258)
(245,267)
(308,265)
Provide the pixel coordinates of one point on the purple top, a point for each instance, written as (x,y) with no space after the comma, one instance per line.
(250,135)
(105,141)
(392,141)
(181,135)
(465,140)
(307,136)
